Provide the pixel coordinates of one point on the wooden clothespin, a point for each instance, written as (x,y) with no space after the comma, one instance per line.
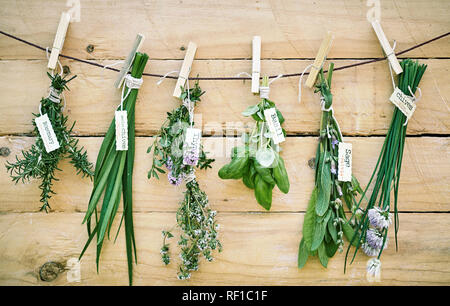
(256,63)
(185,69)
(320,58)
(59,39)
(386,47)
(129,60)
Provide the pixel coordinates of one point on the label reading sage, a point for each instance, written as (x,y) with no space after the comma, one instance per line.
(345,162)
(121,130)
(403,102)
(274,125)
(47,133)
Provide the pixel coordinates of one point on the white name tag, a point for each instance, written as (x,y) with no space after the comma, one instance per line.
(121,131)
(274,125)
(47,133)
(403,102)
(345,162)
(191,145)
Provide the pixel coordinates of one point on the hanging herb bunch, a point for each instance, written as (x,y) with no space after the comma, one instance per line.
(172,150)
(258,162)
(42,159)
(114,173)
(325,222)
(376,218)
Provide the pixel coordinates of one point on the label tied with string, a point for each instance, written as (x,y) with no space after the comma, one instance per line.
(121,130)
(403,102)
(274,125)
(191,147)
(47,133)
(345,162)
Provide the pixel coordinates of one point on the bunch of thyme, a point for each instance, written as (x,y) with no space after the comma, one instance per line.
(376,218)
(325,222)
(37,163)
(114,174)
(194,215)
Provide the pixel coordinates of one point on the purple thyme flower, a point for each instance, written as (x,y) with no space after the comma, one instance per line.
(174,180)
(169,163)
(190,159)
(379,218)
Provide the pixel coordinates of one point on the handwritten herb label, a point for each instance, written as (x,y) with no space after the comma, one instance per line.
(403,102)
(274,125)
(47,133)
(345,162)
(192,144)
(121,131)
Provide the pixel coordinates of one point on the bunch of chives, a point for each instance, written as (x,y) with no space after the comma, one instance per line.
(113,174)
(374,221)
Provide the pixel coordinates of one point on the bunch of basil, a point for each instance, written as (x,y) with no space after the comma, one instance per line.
(258,162)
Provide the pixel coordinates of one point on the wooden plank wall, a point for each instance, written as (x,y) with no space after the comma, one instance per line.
(260,248)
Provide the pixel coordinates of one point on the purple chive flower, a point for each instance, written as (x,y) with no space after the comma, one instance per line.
(174,180)
(379,218)
(334,142)
(374,238)
(169,163)
(190,159)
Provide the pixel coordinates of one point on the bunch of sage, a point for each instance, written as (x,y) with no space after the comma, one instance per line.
(375,219)
(41,160)
(325,222)
(194,215)
(113,176)
(258,162)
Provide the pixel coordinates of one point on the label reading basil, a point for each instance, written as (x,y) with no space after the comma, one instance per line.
(121,130)
(191,147)
(274,125)
(345,162)
(47,133)
(403,102)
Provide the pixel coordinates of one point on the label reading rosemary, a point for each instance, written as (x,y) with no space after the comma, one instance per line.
(274,125)
(403,102)
(47,133)
(345,162)
(121,131)
(191,147)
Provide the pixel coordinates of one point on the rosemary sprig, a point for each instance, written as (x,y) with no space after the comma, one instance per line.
(376,218)
(258,161)
(194,215)
(37,163)
(113,174)
(325,222)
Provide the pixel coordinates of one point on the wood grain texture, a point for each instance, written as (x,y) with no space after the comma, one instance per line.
(360,97)
(289,28)
(424,181)
(259,249)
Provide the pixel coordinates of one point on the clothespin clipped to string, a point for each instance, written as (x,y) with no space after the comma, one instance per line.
(185,69)
(256,63)
(320,59)
(387,47)
(129,60)
(59,40)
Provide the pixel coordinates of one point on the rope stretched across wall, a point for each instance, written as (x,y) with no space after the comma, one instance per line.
(226,78)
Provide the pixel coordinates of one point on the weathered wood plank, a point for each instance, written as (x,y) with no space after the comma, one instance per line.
(290,28)
(424,182)
(360,97)
(259,249)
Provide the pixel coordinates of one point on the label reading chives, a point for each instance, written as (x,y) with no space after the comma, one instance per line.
(121,130)
(47,133)
(403,102)
(345,162)
(274,125)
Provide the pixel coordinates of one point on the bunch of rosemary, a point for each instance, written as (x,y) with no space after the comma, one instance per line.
(325,222)
(194,215)
(258,162)
(37,163)
(113,174)
(375,220)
